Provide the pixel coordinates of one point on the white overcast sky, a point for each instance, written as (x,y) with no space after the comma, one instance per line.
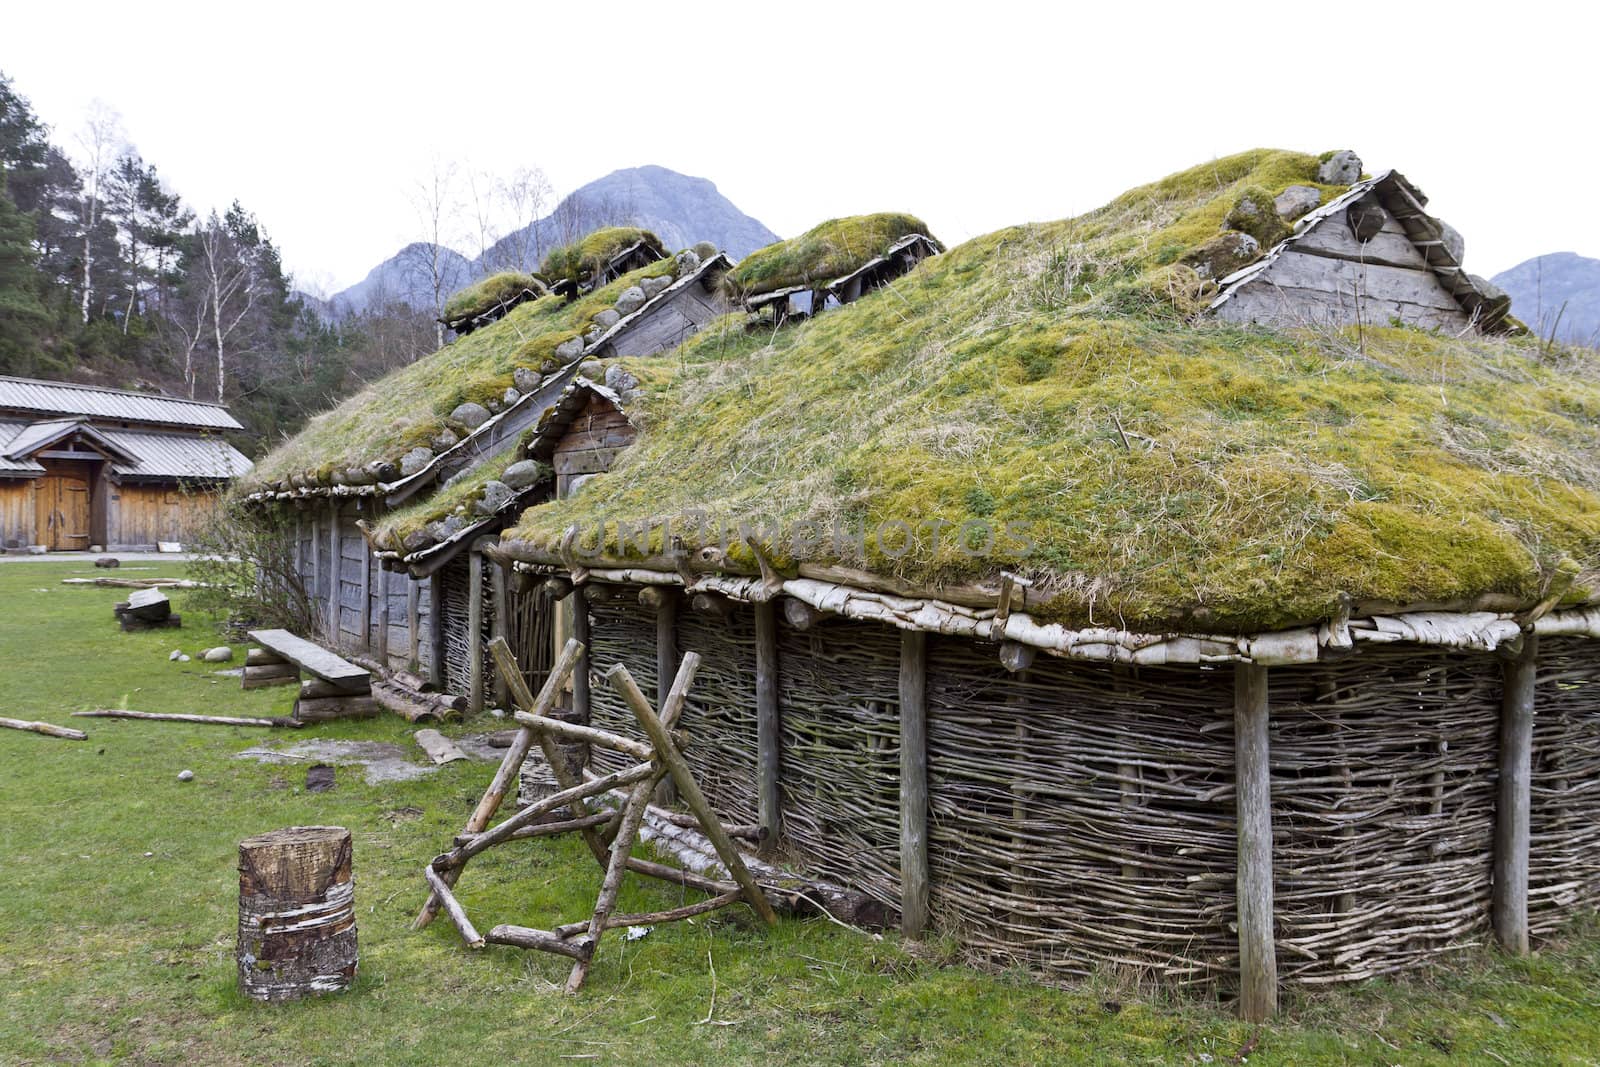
(321,117)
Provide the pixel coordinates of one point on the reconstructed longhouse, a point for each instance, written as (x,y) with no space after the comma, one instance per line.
(1206,586)
(83,466)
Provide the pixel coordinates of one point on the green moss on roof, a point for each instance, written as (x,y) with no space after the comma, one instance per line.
(461,493)
(1165,473)
(490,293)
(826,251)
(410,406)
(583,257)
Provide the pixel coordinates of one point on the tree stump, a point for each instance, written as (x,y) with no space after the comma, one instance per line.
(297,921)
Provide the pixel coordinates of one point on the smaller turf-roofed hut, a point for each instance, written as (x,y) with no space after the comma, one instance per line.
(386,498)
(1053,613)
(490,299)
(833,263)
(600,258)
(83,466)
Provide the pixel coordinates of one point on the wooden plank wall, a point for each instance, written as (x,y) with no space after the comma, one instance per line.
(1328,278)
(670,322)
(591,443)
(142,515)
(16,513)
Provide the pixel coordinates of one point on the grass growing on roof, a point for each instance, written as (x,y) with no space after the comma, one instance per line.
(827,251)
(463,492)
(489,293)
(1162,473)
(408,407)
(583,257)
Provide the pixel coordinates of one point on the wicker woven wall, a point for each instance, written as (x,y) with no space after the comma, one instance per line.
(1383,788)
(1081,817)
(1564,856)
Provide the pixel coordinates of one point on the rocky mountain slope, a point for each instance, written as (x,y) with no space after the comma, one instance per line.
(1559,291)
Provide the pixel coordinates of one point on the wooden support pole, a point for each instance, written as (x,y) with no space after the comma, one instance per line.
(453,908)
(1258,962)
(611,885)
(319,613)
(475,632)
(1513,800)
(383,615)
(413,623)
(572,732)
(436,629)
(522,698)
(499,624)
(913,783)
(580,674)
(667,752)
(769,726)
(335,568)
(500,785)
(368,562)
(666,668)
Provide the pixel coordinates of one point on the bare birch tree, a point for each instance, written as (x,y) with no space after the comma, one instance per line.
(434,199)
(101,141)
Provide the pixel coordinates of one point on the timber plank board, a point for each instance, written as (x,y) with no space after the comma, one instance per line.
(313,658)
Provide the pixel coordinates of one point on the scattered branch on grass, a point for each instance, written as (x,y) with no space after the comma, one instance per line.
(46,728)
(207,720)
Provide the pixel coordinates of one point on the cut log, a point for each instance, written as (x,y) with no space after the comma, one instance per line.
(544,940)
(204,720)
(261,657)
(46,728)
(439,748)
(317,689)
(133,624)
(331,708)
(149,605)
(297,921)
(408,706)
(269,675)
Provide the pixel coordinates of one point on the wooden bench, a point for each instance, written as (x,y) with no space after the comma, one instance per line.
(338,689)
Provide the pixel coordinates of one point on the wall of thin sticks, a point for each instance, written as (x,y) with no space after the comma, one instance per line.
(1383,798)
(1564,823)
(621,631)
(530,631)
(721,717)
(1082,818)
(455,588)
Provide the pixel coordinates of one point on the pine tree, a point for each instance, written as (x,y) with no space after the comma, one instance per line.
(22,316)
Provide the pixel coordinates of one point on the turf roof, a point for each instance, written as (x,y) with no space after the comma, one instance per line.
(583,257)
(410,406)
(823,253)
(1170,471)
(489,293)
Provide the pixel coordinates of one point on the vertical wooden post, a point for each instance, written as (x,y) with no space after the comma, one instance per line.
(769,727)
(666,670)
(383,616)
(318,612)
(1514,799)
(499,623)
(367,563)
(1258,961)
(436,628)
(580,673)
(413,623)
(913,783)
(336,556)
(475,630)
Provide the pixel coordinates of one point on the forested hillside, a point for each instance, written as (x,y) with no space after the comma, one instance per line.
(108,277)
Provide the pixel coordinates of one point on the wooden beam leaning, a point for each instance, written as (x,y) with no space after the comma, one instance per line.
(453,908)
(913,783)
(666,667)
(628,828)
(667,752)
(571,731)
(1513,800)
(522,698)
(509,765)
(1258,962)
(769,726)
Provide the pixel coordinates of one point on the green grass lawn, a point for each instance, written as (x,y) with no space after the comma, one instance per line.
(118,894)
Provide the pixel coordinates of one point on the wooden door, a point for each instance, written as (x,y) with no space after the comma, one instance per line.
(61,510)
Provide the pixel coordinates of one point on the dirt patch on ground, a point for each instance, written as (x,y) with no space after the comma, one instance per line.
(381,761)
